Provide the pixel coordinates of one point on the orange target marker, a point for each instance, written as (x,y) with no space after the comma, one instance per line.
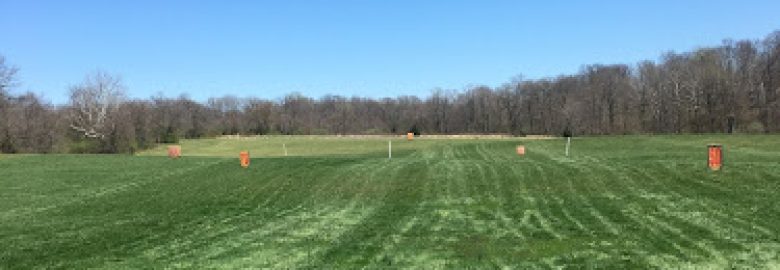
(174,151)
(244,158)
(521,150)
(715,157)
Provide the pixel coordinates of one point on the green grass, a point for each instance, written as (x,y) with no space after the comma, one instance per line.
(617,202)
(273,146)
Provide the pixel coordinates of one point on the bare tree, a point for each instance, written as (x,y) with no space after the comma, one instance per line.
(31,124)
(7,76)
(93,102)
(438,111)
(7,80)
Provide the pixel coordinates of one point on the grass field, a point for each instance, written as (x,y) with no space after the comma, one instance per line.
(617,202)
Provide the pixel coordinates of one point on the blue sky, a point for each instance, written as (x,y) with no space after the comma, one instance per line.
(365,48)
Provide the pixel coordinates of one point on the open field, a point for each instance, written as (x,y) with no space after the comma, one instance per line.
(617,202)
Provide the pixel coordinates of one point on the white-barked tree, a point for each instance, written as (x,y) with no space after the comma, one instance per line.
(93,102)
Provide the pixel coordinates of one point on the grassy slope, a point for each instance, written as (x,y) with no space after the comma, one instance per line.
(618,202)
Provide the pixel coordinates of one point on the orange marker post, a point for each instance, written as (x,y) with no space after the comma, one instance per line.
(521,150)
(409,136)
(244,158)
(174,151)
(715,157)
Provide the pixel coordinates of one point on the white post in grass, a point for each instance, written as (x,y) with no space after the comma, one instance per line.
(389,149)
(568,144)
(284,145)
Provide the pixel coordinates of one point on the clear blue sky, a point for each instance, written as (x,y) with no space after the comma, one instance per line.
(364,48)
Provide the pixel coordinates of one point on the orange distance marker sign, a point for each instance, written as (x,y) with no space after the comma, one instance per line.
(715,157)
(520,150)
(244,158)
(174,151)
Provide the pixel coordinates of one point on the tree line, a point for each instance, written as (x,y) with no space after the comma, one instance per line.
(728,88)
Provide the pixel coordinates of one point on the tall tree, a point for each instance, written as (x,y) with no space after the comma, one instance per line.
(93,102)
(7,80)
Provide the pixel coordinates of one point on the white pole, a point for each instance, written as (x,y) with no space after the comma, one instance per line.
(284,145)
(389,149)
(568,144)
